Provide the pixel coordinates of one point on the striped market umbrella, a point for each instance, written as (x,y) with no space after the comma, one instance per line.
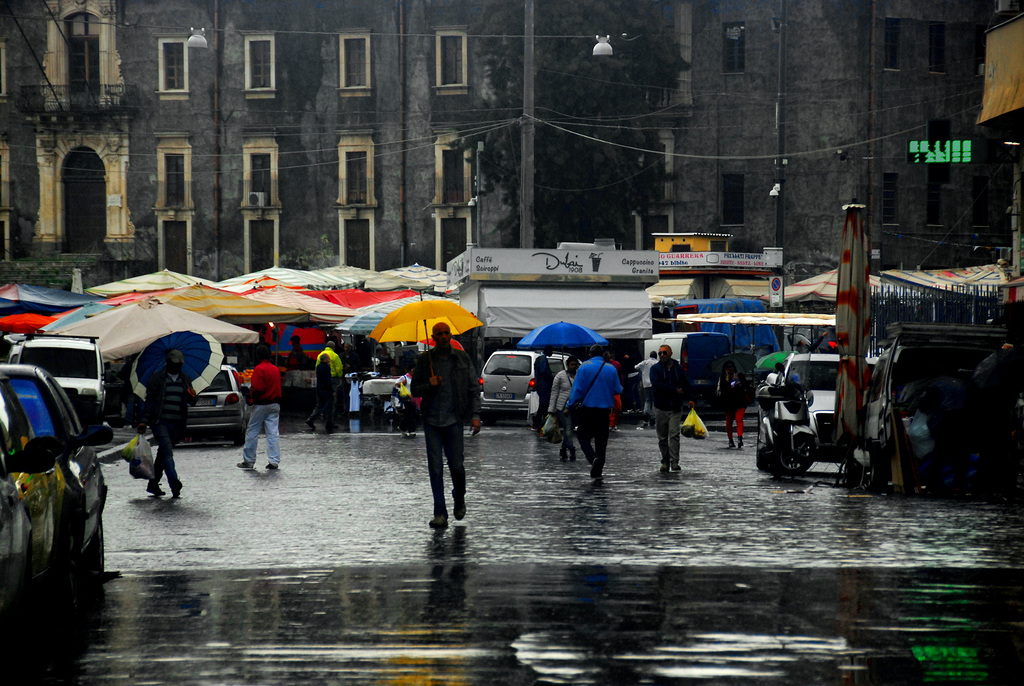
(853,328)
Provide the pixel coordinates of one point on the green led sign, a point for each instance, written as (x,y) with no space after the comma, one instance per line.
(960,151)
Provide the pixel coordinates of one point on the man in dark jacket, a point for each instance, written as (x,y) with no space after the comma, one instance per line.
(168,396)
(542,381)
(671,391)
(446,380)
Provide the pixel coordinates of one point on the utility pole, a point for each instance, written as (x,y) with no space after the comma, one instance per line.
(780,159)
(526,225)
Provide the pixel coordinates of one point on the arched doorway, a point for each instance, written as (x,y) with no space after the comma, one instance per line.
(85,202)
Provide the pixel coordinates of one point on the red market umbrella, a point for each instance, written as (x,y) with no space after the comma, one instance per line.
(24,323)
(853,328)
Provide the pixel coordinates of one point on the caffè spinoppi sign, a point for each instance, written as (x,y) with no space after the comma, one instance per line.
(549,264)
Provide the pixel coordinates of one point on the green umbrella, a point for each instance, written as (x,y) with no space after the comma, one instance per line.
(744,362)
(769,361)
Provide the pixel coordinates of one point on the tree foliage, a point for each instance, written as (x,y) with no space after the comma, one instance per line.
(594,115)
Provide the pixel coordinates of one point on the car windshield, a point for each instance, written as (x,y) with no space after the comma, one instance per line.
(221,383)
(69,363)
(814,375)
(34,402)
(510,365)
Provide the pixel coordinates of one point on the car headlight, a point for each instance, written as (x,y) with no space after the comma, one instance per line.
(809,397)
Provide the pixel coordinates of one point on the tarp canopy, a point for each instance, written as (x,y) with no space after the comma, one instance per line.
(735,287)
(319,310)
(819,288)
(77,315)
(516,311)
(355,298)
(312,280)
(157,281)
(989,275)
(429,279)
(743,336)
(40,299)
(231,307)
(768,318)
(374,281)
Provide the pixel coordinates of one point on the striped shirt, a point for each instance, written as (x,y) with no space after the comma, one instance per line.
(173,410)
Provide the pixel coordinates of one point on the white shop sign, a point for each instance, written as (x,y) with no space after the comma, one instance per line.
(704,260)
(549,264)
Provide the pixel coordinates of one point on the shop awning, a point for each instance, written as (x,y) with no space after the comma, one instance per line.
(679,289)
(722,287)
(612,312)
(1002,103)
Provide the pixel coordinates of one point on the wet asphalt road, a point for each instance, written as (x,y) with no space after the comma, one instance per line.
(326,572)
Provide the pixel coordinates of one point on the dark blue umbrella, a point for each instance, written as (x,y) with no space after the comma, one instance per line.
(561,335)
(203,358)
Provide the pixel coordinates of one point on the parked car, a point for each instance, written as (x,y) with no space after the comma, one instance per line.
(918,355)
(79,492)
(76,363)
(506,380)
(21,455)
(220,410)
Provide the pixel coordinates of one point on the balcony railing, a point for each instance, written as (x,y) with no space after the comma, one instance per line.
(106,99)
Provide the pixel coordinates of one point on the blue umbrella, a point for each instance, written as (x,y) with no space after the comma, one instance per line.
(203,358)
(561,335)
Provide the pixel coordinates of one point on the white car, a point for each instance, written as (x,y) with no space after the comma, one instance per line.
(507,380)
(74,361)
(221,409)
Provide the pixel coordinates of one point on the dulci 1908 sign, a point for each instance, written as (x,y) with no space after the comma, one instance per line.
(549,264)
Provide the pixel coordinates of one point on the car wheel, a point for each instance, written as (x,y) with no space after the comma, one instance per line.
(238,438)
(488,418)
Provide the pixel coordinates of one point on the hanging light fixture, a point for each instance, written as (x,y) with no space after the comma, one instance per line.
(197,39)
(603,47)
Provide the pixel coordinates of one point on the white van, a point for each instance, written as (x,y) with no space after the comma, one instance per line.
(74,361)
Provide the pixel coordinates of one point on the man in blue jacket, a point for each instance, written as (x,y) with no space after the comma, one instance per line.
(671,390)
(595,388)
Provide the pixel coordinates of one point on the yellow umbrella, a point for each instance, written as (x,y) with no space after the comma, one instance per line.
(414,321)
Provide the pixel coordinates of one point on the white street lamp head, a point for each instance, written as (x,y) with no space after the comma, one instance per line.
(197,40)
(603,47)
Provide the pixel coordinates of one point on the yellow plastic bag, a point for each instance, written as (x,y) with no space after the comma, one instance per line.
(693,426)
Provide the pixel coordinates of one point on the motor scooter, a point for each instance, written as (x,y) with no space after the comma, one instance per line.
(785,440)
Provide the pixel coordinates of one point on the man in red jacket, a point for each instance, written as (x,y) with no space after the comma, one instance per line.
(265,395)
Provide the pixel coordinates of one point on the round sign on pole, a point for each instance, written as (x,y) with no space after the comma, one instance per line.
(776,284)
(775,296)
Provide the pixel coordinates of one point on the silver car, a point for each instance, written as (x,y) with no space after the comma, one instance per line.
(506,380)
(220,410)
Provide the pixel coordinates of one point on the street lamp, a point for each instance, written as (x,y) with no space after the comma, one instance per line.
(603,47)
(526,223)
(197,39)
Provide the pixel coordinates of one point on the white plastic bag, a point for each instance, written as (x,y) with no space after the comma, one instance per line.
(141,464)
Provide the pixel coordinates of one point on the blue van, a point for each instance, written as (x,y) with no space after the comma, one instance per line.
(696,350)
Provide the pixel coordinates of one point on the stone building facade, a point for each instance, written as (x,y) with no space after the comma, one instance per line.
(309,133)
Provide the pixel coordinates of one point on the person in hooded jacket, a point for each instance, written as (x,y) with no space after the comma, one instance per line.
(169,394)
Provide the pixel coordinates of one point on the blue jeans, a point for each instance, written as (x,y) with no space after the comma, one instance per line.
(568,431)
(448,439)
(267,417)
(166,436)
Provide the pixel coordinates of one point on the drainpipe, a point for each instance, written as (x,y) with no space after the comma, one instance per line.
(874,268)
(218,62)
(403,237)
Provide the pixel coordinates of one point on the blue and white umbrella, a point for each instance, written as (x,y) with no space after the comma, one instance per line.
(561,335)
(203,358)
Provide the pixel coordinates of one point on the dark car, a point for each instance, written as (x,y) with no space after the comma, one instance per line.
(20,453)
(78,553)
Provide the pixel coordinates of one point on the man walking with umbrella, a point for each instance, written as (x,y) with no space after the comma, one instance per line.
(169,394)
(446,380)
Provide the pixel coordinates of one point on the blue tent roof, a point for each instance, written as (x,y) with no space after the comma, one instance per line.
(18,298)
(744,336)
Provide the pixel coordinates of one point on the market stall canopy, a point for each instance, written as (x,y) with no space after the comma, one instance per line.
(361,324)
(733,287)
(676,289)
(128,329)
(311,280)
(989,275)
(374,281)
(319,310)
(770,318)
(820,288)
(41,300)
(425,277)
(157,281)
(355,298)
(26,322)
(77,315)
(231,307)
(612,312)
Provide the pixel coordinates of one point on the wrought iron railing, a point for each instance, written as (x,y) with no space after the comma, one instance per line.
(106,98)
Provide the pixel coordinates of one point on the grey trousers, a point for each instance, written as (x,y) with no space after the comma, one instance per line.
(667,423)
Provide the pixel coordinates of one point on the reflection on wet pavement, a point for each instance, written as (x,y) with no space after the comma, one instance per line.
(456,623)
